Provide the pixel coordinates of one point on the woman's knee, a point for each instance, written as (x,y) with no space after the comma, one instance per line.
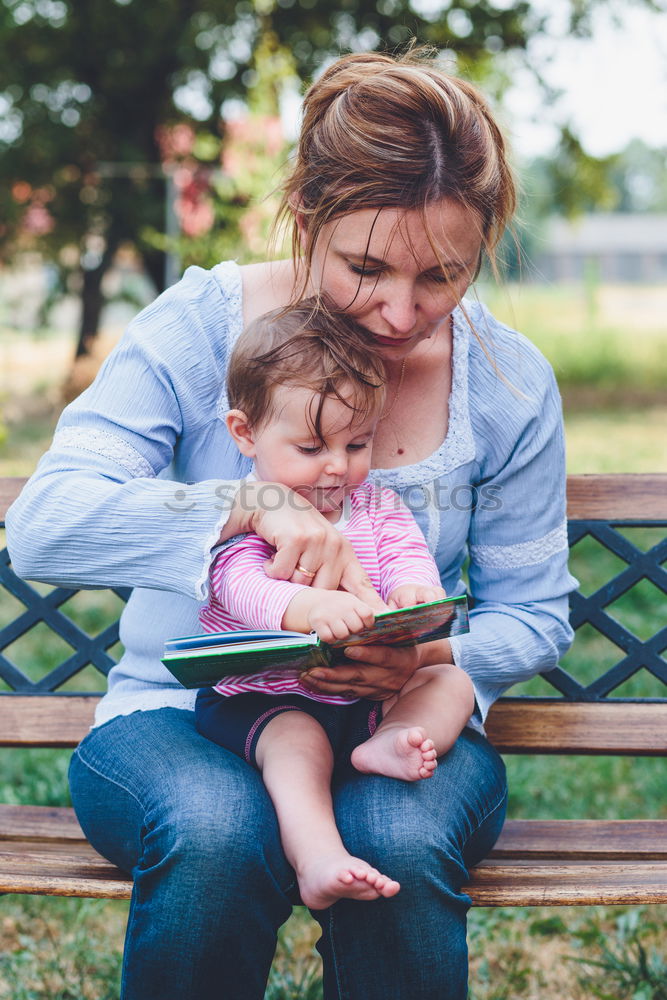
(408,843)
(211,827)
(425,830)
(152,792)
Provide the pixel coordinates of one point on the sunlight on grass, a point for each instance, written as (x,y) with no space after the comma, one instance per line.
(623,441)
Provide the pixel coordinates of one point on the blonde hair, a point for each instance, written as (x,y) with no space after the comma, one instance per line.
(308,346)
(382,131)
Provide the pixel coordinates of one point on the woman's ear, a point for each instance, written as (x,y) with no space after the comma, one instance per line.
(241,431)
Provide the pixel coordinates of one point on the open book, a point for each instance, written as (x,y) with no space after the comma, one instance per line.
(202,660)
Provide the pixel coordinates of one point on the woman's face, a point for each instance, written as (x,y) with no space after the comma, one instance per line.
(379,266)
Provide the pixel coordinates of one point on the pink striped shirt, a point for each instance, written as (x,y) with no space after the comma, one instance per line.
(388,543)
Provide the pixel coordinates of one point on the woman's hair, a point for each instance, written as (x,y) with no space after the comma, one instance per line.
(307,346)
(380,131)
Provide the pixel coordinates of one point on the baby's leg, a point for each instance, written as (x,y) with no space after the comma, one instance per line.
(421,723)
(295,758)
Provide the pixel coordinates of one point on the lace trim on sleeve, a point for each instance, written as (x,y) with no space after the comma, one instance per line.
(523,553)
(106,445)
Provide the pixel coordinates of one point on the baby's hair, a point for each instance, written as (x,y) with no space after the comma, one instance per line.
(307,346)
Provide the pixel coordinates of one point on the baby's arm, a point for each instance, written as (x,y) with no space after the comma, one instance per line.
(404,556)
(409,572)
(240,588)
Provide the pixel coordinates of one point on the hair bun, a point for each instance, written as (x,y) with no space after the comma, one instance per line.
(382,131)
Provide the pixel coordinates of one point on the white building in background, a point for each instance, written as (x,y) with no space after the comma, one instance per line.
(612,247)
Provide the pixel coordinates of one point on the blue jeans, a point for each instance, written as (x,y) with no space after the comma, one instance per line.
(195,827)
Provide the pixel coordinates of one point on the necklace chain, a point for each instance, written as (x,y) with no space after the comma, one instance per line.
(386,413)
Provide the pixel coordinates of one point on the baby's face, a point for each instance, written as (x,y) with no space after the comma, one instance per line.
(322,471)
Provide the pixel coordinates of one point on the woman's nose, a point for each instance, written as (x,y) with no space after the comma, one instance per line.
(399,311)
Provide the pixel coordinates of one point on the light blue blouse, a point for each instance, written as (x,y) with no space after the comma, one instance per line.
(139,480)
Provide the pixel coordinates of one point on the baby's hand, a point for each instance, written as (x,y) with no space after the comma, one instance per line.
(336,614)
(409,594)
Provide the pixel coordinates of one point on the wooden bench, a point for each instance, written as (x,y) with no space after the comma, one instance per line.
(535,862)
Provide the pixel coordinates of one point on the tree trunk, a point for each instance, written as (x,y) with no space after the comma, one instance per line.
(154,265)
(92,301)
(92,298)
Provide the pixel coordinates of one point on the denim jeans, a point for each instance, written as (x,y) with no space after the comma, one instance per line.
(196,829)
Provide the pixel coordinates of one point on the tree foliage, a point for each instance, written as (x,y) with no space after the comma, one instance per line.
(93,93)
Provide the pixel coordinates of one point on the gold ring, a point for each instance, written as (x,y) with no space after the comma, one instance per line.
(306,572)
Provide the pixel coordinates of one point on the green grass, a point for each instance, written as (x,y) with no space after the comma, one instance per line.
(60,949)
(568,953)
(603,341)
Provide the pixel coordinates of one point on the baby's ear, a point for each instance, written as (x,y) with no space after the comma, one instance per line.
(240,429)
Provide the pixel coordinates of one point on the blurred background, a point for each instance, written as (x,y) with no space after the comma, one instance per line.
(138,137)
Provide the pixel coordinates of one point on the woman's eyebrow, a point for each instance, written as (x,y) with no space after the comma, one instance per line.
(361,255)
(370,259)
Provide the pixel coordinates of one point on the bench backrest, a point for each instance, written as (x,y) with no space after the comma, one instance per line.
(576,719)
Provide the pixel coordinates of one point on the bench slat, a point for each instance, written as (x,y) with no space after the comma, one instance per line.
(584,883)
(609,496)
(583,839)
(39,823)
(637,729)
(45,720)
(521,838)
(535,862)
(620,497)
(534,882)
(512,726)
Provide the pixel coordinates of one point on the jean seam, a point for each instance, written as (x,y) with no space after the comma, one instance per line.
(490,813)
(334,959)
(106,777)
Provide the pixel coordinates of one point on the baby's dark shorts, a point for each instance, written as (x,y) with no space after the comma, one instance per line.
(237,722)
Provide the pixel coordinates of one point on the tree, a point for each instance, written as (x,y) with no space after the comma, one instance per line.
(84,87)
(639,175)
(92,90)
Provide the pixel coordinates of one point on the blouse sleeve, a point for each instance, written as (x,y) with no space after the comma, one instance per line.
(100,510)
(518,546)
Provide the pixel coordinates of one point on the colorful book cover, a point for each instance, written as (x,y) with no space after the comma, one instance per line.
(201,660)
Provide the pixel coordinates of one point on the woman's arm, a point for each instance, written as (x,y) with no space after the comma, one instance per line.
(518,547)
(100,509)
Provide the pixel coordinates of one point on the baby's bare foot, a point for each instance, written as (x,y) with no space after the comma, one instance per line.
(397,752)
(336,876)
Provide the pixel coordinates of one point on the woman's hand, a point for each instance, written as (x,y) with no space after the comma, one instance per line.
(309,550)
(373,672)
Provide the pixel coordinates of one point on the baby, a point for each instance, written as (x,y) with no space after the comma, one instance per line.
(306,397)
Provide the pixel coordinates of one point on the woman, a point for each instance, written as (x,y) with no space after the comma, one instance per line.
(400,185)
